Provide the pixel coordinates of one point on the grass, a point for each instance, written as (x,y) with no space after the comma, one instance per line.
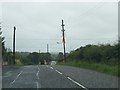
(18,63)
(112,70)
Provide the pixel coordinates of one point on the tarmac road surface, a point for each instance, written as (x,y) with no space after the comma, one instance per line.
(55,76)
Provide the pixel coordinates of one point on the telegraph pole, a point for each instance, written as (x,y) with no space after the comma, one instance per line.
(39,51)
(47,48)
(63,30)
(14,46)
(39,58)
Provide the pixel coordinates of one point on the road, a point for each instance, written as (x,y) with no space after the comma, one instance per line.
(55,76)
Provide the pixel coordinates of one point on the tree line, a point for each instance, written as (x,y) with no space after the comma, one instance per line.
(25,58)
(36,58)
(102,53)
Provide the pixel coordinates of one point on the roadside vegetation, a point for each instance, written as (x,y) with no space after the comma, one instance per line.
(22,58)
(26,58)
(102,57)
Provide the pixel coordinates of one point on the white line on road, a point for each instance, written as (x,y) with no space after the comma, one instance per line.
(77,83)
(51,67)
(13,81)
(7,74)
(37,85)
(37,74)
(16,77)
(58,72)
(38,67)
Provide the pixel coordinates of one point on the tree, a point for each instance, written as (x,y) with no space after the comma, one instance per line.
(3,45)
(33,57)
(3,42)
(45,57)
(60,57)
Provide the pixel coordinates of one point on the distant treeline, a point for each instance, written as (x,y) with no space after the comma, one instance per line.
(26,58)
(102,53)
(36,58)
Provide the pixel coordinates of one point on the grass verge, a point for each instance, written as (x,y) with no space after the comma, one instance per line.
(112,70)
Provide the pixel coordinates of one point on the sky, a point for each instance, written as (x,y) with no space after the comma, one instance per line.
(39,24)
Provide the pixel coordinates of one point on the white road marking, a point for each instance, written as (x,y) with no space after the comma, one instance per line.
(16,77)
(51,67)
(37,85)
(37,74)
(7,74)
(77,83)
(13,81)
(38,67)
(58,72)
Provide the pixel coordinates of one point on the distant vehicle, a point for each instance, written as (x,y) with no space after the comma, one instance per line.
(53,63)
(44,62)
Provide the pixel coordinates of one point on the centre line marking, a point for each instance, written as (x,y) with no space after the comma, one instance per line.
(37,74)
(38,68)
(7,74)
(58,72)
(16,77)
(37,85)
(51,67)
(77,83)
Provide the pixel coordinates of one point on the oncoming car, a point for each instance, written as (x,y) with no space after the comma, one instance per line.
(53,63)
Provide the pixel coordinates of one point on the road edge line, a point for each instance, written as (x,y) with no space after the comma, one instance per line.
(76,83)
(15,79)
(51,67)
(59,72)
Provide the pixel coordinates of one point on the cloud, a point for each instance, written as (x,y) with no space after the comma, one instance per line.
(40,23)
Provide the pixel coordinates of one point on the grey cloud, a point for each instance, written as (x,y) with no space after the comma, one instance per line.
(40,23)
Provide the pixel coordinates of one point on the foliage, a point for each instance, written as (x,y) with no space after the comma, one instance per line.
(3,45)
(96,53)
(33,57)
(102,57)
(45,56)
(113,70)
(36,58)
(26,58)
(59,58)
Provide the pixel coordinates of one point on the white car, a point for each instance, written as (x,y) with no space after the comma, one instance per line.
(53,63)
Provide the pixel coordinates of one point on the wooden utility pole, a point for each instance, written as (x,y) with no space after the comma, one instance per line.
(39,58)
(63,30)
(47,48)
(39,51)
(14,46)
(1,52)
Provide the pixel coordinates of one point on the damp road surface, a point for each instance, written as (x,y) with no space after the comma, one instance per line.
(55,76)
